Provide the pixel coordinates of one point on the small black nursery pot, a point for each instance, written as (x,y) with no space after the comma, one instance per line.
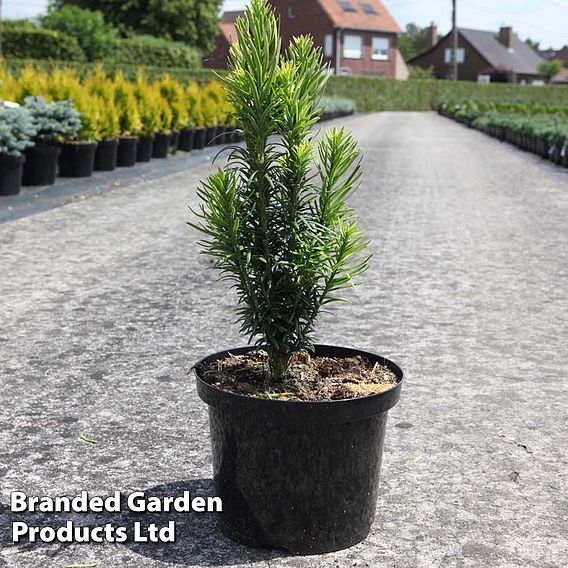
(144,148)
(161,145)
(77,159)
(186,137)
(302,476)
(126,151)
(40,167)
(11,169)
(199,138)
(105,155)
(210,135)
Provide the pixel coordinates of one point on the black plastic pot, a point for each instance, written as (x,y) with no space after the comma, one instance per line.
(77,159)
(302,476)
(174,141)
(40,167)
(144,148)
(186,138)
(199,138)
(11,170)
(126,151)
(161,143)
(210,134)
(106,155)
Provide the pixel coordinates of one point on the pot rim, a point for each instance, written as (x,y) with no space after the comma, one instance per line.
(342,410)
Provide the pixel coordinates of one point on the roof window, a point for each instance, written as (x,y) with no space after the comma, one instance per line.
(369,8)
(347,6)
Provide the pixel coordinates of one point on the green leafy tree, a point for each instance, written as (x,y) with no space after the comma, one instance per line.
(534,44)
(550,68)
(95,37)
(413,41)
(191,21)
(275,219)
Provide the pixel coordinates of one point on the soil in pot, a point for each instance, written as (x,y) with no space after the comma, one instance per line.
(105,155)
(186,138)
(126,151)
(11,171)
(40,167)
(77,159)
(318,460)
(161,143)
(144,148)
(199,138)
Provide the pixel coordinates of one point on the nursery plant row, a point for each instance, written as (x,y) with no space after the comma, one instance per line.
(60,123)
(538,128)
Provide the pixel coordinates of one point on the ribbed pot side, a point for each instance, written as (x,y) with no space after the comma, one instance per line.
(301,476)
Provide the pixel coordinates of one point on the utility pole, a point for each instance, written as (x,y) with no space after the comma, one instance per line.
(0,29)
(454,42)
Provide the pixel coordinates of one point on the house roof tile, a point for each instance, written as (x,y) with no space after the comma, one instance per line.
(521,58)
(359,18)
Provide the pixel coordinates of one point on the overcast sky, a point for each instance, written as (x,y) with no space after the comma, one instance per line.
(542,20)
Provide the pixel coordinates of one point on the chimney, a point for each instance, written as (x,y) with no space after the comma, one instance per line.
(506,36)
(432,35)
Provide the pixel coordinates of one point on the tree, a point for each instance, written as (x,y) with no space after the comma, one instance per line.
(276,218)
(534,44)
(413,41)
(93,34)
(192,21)
(550,68)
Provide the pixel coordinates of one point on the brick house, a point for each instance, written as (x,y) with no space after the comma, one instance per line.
(551,54)
(482,56)
(357,37)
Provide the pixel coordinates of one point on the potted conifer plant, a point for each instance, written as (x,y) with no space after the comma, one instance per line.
(77,157)
(130,123)
(195,108)
(17,130)
(146,98)
(55,123)
(297,428)
(164,118)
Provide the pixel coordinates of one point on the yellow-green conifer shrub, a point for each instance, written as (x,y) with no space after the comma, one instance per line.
(148,105)
(194,105)
(98,84)
(173,92)
(164,114)
(8,84)
(211,98)
(31,82)
(126,106)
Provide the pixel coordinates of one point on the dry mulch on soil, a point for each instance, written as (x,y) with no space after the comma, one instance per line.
(309,378)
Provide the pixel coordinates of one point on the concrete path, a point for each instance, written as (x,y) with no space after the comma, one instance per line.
(105,305)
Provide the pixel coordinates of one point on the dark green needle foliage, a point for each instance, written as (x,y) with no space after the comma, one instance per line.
(276,219)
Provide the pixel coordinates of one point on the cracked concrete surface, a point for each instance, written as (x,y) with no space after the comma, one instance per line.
(105,305)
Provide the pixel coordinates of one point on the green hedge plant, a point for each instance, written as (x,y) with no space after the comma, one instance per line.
(155,51)
(36,43)
(285,238)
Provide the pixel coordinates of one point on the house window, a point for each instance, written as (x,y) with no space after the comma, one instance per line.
(347,6)
(328,45)
(369,8)
(484,79)
(353,46)
(291,13)
(380,48)
(460,55)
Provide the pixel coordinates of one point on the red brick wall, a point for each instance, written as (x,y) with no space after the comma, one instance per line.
(218,58)
(366,65)
(468,71)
